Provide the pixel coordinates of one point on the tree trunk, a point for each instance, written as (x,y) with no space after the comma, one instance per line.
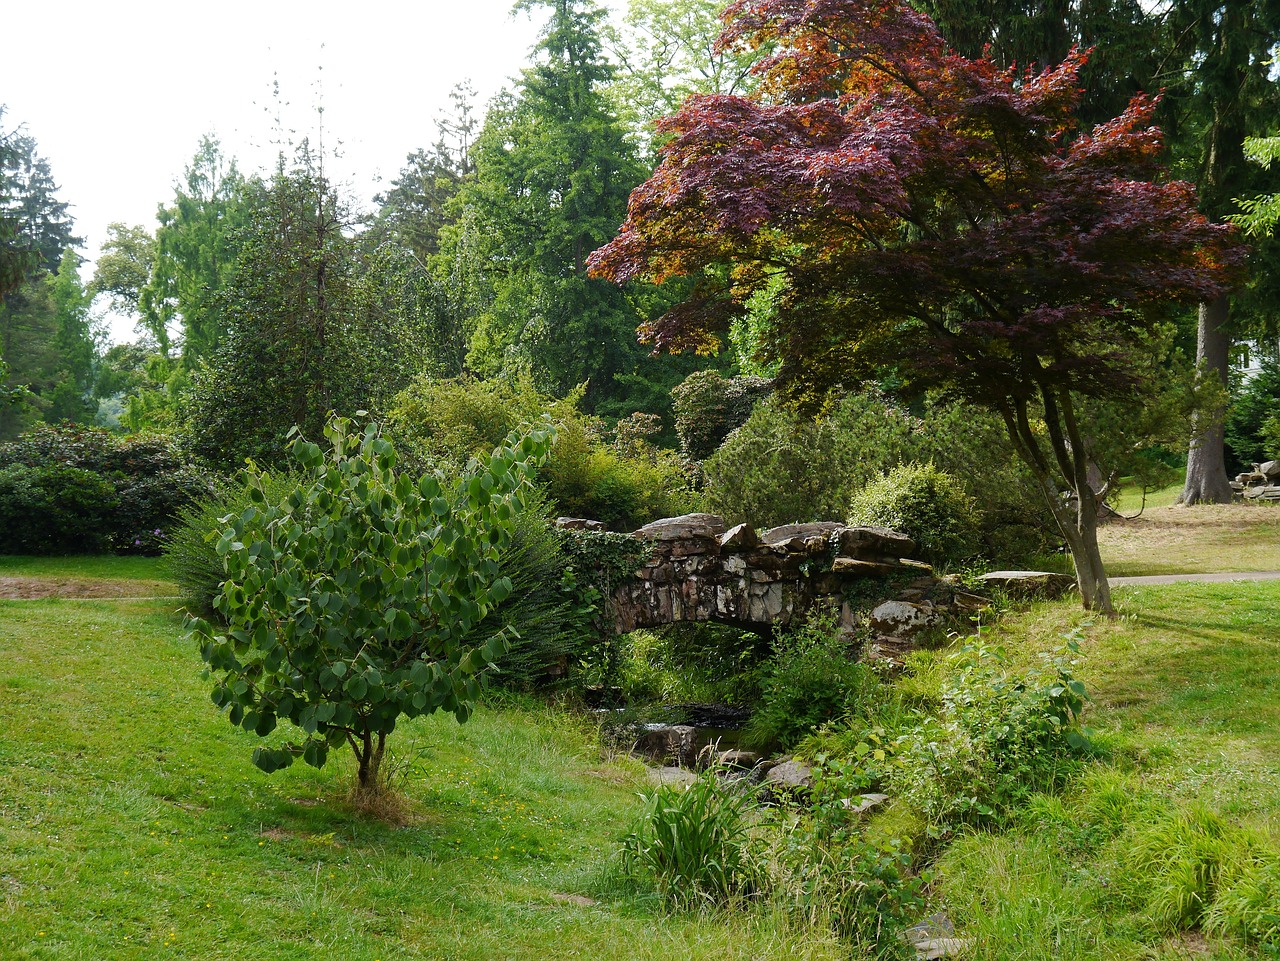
(369,758)
(1079,526)
(1080,530)
(1207,481)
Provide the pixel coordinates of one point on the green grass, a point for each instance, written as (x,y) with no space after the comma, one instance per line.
(1132,499)
(1186,713)
(91,567)
(132,824)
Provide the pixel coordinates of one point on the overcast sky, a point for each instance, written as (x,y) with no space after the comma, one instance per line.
(118,93)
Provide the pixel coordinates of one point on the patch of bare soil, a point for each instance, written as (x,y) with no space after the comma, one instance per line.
(1206,518)
(35,588)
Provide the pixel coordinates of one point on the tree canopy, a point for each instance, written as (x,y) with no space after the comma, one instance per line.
(914,209)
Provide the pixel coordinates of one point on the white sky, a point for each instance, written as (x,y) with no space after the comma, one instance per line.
(117,93)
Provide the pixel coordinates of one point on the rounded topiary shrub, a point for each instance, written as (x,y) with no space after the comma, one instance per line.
(928,505)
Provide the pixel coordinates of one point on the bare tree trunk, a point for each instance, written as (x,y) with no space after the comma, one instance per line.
(1207,481)
(1079,527)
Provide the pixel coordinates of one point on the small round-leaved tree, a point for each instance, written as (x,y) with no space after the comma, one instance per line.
(349,602)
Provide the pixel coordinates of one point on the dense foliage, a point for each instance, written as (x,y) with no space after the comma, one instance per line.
(779,467)
(909,207)
(928,505)
(83,490)
(624,480)
(355,599)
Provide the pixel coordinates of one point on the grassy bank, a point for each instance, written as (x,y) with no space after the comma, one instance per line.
(1181,803)
(132,824)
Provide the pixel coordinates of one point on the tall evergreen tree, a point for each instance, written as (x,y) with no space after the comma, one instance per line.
(45,339)
(414,210)
(553,169)
(1224,92)
(28,204)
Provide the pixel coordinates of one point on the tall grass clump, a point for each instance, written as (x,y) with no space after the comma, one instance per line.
(190,555)
(694,844)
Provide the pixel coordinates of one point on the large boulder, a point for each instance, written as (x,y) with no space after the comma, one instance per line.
(683,527)
(874,542)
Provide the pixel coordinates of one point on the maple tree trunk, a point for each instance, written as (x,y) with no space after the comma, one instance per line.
(1207,481)
(1077,521)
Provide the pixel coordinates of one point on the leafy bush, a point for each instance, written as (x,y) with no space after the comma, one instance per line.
(707,406)
(149,481)
(778,467)
(1001,736)
(624,484)
(55,510)
(551,622)
(354,600)
(928,505)
(693,843)
(587,478)
(691,662)
(809,679)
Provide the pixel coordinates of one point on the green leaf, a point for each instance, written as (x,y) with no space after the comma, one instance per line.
(356,687)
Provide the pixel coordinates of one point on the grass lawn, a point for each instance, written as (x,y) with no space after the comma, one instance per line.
(90,576)
(1186,714)
(1188,540)
(133,825)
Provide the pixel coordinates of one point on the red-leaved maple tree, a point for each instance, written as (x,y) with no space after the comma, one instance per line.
(911,207)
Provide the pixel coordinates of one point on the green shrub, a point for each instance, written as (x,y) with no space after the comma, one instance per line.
(693,844)
(1252,405)
(552,626)
(585,477)
(778,467)
(150,482)
(624,484)
(707,406)
(1001,736)
(810,678)
(928,505)
(352,602)
(55,510)
(689,662)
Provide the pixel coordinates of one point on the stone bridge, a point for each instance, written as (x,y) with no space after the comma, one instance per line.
(699,571)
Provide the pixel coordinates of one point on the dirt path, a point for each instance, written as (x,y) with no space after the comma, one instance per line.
(84,589)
